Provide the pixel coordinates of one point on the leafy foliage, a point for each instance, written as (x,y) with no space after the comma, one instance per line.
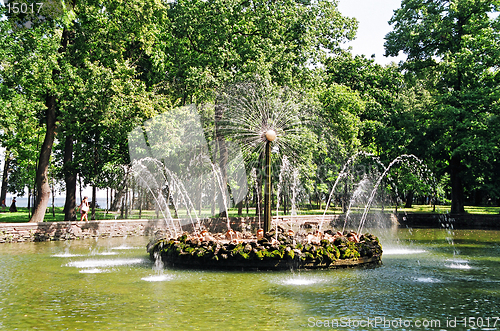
(453,47)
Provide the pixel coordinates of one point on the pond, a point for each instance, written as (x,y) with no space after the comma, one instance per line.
(431,279)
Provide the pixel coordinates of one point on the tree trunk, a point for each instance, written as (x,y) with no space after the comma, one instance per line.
(246,201)
(5,176)
(260,180)
(33,194)
(94,197)
(107,200)
(200,197)
(123,207)
(409,199)
(214,196)
(53,200)
(254,196)
(434,198)
(126,201)
(240,208)
(457,190)
(42,182)
(80,187)
(70,179)
(29,203)
(140,197)
(344,199)
(132,197)
(116,200)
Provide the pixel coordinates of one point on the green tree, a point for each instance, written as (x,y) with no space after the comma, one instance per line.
(454,46)
(107,98)
(378,87)
(80,61)
(337,129)
(19,135)
(208,44)
(33,45)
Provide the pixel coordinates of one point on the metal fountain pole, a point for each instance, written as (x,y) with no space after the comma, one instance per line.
(270,136)
(267,189)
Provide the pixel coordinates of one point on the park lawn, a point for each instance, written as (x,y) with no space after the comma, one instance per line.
(21,216)
(476,210)
(426,209)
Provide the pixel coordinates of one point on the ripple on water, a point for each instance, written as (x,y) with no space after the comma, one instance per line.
(92,271)
(158,278)
(457,263)
(427,280)
(91,263)
(126,247)
(105,253)
(300,280)
(66,255)
(460,261)
(463,266)
(402,251)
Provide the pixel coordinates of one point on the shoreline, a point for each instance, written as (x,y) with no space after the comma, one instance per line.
(76,230)
(456,221)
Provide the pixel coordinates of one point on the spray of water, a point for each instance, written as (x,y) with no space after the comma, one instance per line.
(253,108)
(341,175)
(294,188)
(356,196)
(399,159)
(253,175)
(224,198)
(146,179)
(170,153)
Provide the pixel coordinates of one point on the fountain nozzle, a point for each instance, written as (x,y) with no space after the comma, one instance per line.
(270,135)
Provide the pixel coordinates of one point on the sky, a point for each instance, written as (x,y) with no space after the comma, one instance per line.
(372,16)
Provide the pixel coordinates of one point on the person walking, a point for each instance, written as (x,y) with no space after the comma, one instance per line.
(84,209)
(13,207)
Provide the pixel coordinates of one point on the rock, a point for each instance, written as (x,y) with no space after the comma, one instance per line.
(230,234)
(263,241)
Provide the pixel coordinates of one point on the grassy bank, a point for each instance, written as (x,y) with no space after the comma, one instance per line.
(22,215)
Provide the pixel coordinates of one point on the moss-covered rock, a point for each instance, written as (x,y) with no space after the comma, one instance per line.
(197,251)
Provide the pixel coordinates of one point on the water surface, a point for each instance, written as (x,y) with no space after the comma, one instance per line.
(428,276)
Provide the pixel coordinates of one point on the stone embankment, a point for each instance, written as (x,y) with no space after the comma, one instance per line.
(52,231)
(457,221)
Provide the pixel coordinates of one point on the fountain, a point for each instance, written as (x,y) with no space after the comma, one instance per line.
(436,278)
(169,159)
